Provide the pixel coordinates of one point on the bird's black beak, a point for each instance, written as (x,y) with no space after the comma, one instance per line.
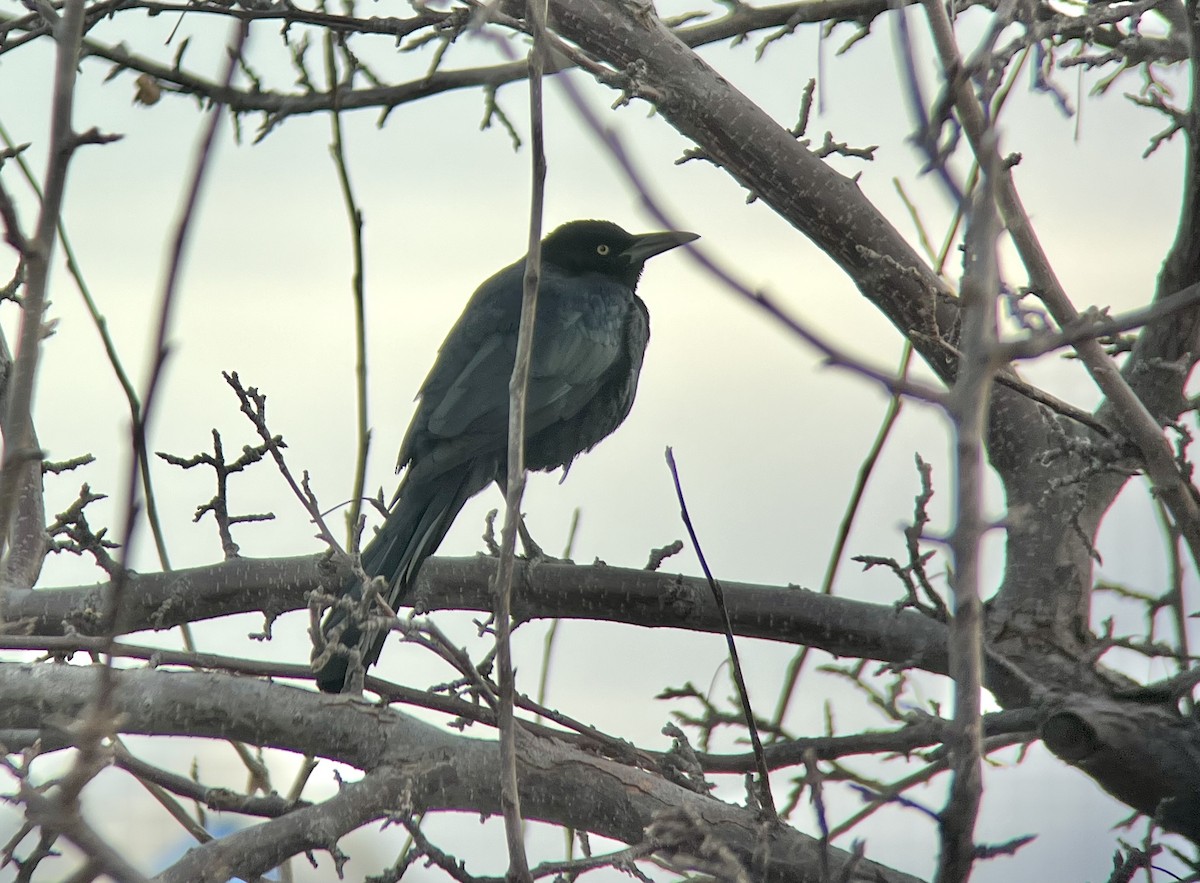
(648,245)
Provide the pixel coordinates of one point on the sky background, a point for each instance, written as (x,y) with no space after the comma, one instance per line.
(767,440)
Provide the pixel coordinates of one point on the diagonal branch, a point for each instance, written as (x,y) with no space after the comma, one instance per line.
(1127,408)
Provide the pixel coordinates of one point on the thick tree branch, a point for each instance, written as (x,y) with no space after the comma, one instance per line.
(613,594)
(256,850)
(411,766)
(838,625)
(1100,736)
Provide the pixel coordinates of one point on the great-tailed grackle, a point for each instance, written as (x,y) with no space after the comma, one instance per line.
(590,335)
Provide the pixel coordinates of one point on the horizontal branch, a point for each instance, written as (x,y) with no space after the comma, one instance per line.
(1144,754)
(410,765)
(156,601)
(650,599)
(736,24)
(925,732)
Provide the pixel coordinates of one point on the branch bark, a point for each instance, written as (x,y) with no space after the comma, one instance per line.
(653,599)
(650,599)
(411,766)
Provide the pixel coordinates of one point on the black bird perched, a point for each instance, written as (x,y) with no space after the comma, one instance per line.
(589,338)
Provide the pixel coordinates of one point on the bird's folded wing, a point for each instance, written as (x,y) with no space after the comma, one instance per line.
(575,346)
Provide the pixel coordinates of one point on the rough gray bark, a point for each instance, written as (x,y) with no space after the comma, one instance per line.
(410,767)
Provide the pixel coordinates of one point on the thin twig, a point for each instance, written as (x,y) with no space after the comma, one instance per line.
(510,802)
(764,781)
(1092,324)
(143,773)
(337,150)
(254,406)
(796,666)
(552,632)
(277,106)
(183,228)
(967,406)
(1175,598)
(269,806)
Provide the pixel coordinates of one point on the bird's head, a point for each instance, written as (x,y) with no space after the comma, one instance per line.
(602,247)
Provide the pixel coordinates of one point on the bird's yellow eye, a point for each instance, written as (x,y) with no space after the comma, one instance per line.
(602,249)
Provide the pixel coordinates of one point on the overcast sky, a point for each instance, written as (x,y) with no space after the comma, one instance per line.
(768,441)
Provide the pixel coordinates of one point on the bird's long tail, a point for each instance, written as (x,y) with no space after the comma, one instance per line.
(419,520)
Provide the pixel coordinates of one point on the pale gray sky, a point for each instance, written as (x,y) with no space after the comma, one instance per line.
(768,441)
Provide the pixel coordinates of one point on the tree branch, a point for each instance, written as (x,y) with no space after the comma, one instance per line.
(653,599)
(412,766)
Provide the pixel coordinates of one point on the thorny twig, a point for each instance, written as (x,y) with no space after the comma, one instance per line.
(254,406)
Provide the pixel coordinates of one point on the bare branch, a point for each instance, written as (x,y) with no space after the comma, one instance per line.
(1129,410)
(20,476)
(607,593)
(412,766)
(355,217)
(764,781)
